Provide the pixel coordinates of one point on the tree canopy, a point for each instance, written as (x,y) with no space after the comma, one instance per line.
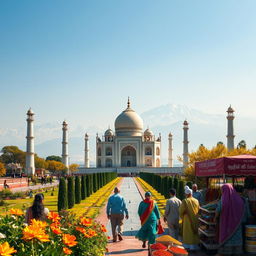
(2,169)
(53,157)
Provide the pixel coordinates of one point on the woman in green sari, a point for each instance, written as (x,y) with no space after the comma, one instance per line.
(149,216)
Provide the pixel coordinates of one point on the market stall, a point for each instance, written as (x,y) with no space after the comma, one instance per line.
(239,170)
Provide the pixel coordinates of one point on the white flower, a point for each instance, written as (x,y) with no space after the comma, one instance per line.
(2,235)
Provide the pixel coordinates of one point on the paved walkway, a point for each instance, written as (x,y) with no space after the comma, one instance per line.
(35,187)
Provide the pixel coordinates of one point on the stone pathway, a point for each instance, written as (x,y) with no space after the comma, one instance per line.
(35,187)
(130,246)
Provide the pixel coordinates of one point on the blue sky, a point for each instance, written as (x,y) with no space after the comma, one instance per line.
(80,60)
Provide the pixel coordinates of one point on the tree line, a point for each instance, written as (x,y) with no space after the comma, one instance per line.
(73,189)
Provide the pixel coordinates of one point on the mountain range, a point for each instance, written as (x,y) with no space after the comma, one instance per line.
(204,128)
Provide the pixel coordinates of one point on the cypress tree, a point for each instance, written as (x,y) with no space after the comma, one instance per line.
(71,192)
(88,185)
(77,190)
(165,187)
(170,183)
(189,183)
(181,193)
(62,195)
(83,187)
(176,184)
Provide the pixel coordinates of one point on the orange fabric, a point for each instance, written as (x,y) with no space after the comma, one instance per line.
(144,217)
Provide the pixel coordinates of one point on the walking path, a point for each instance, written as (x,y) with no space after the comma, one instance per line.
(35,187)
(130,246)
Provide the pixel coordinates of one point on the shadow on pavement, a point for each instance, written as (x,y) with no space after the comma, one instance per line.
(127,251)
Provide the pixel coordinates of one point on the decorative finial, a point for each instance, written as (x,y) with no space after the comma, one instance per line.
(128,103)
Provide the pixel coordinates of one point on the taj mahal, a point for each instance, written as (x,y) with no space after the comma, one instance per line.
(128,149)
(129,145)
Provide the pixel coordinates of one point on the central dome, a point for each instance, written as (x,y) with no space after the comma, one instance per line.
(129,123)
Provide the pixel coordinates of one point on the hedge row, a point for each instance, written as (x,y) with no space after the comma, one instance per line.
(73,189)
(163,184)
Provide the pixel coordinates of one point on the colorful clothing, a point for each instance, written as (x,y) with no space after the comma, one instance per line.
(189,214)
(233,211)
(198,195)
(149,215)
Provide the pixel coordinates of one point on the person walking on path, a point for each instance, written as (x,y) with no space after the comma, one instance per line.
(232,211)
(171,215)
(37,210)
(116,208)
(189,214)
(197,194)
(150,218)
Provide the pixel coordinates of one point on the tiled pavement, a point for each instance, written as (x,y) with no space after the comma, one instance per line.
(132,192)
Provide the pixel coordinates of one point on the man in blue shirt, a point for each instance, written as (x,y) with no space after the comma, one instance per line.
(115,211)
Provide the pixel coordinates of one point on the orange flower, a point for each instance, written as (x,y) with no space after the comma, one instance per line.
(69,240)
(33,232)
(6,250)
(86,222)
(91,232)
(66,250)
(54,217)
(17,212)
(103,228)
(82,230)
(55,229)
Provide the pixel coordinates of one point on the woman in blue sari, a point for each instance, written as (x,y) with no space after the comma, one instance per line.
(149,216)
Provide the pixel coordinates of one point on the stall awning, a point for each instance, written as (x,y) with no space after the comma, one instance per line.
(242,165)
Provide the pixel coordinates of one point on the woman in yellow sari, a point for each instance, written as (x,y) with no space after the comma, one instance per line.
(189,214)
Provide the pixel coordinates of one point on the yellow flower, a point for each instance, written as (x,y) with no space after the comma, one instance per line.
(6,250)
(13,211)
(33,232)
(38,223)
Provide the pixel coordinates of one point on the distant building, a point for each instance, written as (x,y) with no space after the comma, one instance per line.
(128,146)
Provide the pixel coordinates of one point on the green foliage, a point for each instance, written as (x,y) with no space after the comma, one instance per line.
(62,195)
(189,183)
(54,158)
(180,192)
(165,187)
(83,187)
(77,190)
(12,154)
(2,169)
(176,183)
(170,182)
(71,192)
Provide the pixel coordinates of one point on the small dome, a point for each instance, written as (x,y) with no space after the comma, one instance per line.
(129,123)
(230,109)
(109,132)
(64,123)
(148,132)
(170,134)
(185,122)
(30,112)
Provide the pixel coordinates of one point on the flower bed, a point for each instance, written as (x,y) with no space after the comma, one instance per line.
(93,203)
(59,235)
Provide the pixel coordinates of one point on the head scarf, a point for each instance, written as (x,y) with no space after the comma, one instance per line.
(232,211)
(148,194)
(188,191)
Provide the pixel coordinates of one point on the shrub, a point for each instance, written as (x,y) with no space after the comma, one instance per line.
(77,190)
(189,183)
(176,184)
(181,193)
(71,192)
(62,195)
(83,187)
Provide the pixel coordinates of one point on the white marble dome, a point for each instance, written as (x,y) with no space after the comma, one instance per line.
(129,123)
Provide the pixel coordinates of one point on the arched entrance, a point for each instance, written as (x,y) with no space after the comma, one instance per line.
(128,157)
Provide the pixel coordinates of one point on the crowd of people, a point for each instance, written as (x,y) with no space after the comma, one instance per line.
(232,212)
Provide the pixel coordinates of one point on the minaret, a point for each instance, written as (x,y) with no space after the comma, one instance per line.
(185,143)
(170,150)
(230,135)
(30,160)
(86,151)
(65,144)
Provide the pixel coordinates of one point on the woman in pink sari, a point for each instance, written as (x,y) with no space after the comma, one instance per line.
(232,212)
